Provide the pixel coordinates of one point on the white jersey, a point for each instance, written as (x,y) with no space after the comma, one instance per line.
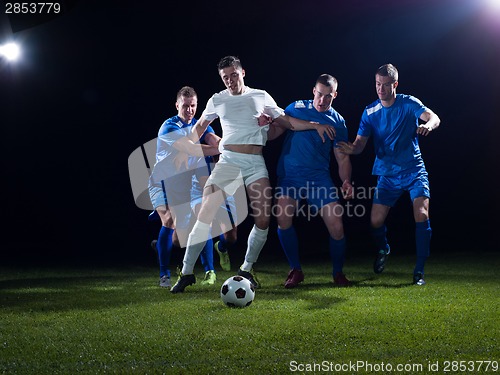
(239,116)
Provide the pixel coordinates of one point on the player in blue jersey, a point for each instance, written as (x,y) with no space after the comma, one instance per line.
(167,181)
(395,121)
(304,174)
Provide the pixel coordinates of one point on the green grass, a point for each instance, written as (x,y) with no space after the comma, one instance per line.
(66,321)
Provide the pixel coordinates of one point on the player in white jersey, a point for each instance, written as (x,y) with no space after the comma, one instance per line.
(240,110)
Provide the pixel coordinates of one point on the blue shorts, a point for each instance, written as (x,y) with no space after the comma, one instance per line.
(390,188)
(316,192)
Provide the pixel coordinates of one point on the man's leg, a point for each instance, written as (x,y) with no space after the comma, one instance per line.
(378,231)
(164,245)
(285,211)
(198,237)
(332,216)
(259,193)
(423,233)
(226,242)
(207,261)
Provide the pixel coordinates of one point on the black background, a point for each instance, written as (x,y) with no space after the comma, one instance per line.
(97,81)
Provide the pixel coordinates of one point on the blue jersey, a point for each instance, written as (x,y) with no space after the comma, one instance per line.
(304,154)
(394,131)
(171,131)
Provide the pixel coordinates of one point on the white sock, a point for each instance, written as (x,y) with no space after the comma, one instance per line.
(196,241)
(256,241)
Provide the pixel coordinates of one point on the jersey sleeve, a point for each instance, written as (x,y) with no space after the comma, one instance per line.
(341,134)
(365,128)
(290,109)
(170,134)
(210,111)
(415,106)
(271,108)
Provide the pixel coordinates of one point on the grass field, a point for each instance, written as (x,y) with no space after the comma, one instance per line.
(116,320)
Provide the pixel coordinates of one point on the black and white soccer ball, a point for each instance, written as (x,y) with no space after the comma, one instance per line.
(237,292)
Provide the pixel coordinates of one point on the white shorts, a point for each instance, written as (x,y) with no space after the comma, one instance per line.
(235,169)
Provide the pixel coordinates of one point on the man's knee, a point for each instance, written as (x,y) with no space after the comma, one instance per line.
(284,211)
(262,221)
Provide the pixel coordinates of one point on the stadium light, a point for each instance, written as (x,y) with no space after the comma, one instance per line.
(493,4)
(10,51)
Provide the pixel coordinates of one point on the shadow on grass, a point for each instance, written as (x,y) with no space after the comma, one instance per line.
(76,292)
(303,293)
(366,282)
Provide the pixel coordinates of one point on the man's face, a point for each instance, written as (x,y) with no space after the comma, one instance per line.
(386,87)
(233,79)
(186,108)
(323,97)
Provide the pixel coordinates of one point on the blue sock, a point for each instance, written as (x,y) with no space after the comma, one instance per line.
(207,256)
(289,243)
(164,247)
(337,254)
(423,233)
(380,238)
(223,247)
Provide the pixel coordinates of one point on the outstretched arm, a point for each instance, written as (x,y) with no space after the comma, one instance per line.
(275,130)
(212,139)
(190,144)
(187,146)
(352,148)
(199,128)
(296,124)
(345,172)
(431,120)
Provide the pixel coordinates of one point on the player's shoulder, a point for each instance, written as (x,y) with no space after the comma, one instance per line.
(408,99)
(220,94)
(373,107)
(302,104)
(252,91)
(171,124)
(334,113)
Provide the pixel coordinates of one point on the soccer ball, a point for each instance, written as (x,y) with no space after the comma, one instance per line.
(237,292)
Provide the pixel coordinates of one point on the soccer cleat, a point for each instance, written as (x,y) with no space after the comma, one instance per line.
(210,278)
(379,264)
(165,282)
(418,279)
(340,280)
(182,282)
(153,246)
(252,278)
(225,262)
(295,277)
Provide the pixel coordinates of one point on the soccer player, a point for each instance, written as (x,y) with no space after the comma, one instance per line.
(241,163)
(172,140)
(393,121)
(304,174)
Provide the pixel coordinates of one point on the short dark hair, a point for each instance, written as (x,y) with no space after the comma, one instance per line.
(327,80)
(228,61)
(388,70)
(187,92)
